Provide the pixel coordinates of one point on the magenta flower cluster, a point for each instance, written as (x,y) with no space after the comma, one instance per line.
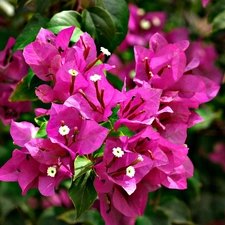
(142,25)
(141,131)
(12,69)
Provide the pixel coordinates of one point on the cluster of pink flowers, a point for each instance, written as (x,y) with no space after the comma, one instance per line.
(142,25)
(12,69)
(142,131)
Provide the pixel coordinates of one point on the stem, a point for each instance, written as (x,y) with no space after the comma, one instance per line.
(99,95)
(128,105)
(86,48)
(78,6)
(147,68)
(89,102)
(93,63)
(136,106)
(72,85)
(135,114)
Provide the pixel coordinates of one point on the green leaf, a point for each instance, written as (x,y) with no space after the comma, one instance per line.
(114,133)
(99,152)
(49,216)
(67,216)
(208,115)
(143,220)
(125,131)
(43,5)
(216,9)
(115,110)
(176,210)
(10,198)
(82,193)
(219,22)
(30,32)
(93,216)
(119,11)
(5,34)
(25,89)
(112,119)
(90,217)
(115,81)
(194,186)
(81,164)
(63,20)
(42,131)
(99,24)
(159,217)
(41,119)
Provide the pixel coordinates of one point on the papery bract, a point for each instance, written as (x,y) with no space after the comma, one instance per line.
(11,110)
(115,168)
(139,107)
(83,137)
(40,57)
(98,98)
(22,132)
(29,173)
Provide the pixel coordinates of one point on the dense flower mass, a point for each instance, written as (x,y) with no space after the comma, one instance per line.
(139,134)
(12,69)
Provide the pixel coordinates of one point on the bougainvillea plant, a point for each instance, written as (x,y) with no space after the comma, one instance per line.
(115,145)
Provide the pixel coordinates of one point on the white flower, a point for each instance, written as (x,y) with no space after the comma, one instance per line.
(95,77)
(118,152)
(105,51)
(140,12)
(72,72)
(132,74)
(145,24)
(140,158)
(64,130)
(130,171)
(51,171)
(156,21)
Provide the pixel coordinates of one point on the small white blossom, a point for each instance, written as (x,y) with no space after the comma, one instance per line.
(105,51)
(156,21)
(95,77)
(130,171)
(140,12)
(118,152)
(145,24)
(64,130)
(72,72)
(132,74)
(51,171)
(140,158)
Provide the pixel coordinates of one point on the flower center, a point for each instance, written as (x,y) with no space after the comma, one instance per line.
(132,74)
(105,51)
(156,21)
(51,171)
(145,24)
(140,12)
(95,77)
(118,152)
(72,72)
(64,130)
(130,171)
